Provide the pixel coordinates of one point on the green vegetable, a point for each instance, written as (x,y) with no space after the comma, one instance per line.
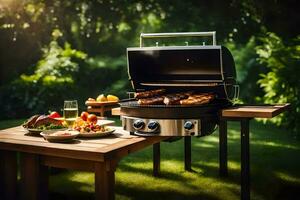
(50,127)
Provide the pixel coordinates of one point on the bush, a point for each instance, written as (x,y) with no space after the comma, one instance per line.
(248,69)
(282,83)
(63,73)
(46,89)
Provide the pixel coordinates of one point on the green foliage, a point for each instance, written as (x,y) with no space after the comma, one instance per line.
(56,65)
(103,74)
(51,82)
(281,84)
(63,73)
(248,69)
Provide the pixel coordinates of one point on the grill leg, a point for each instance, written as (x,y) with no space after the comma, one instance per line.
(156,159)
(187,153)
(223,168)
(245,160)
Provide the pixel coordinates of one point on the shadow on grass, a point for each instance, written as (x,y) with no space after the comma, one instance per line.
(140,193)
(163,175)
(77,196)
(275,173)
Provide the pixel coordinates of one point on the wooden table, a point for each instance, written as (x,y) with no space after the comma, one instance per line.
(242,114)
(99,155)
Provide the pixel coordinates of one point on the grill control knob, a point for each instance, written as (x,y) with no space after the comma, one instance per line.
(153,125)
(188,125)
(138,124)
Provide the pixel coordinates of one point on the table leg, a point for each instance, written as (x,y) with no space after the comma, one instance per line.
(104,181)
(245,160)
(223,168)
(8,175)
(34,177)
(102,111)
(187,153)
(156,159)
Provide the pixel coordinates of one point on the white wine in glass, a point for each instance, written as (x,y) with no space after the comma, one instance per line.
(70,112)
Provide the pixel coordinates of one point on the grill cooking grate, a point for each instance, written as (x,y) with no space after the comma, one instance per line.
(134,104)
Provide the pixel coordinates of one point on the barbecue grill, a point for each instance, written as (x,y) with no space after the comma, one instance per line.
(200,69)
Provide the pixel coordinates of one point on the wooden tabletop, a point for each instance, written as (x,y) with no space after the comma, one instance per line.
(255,111)
(118,144)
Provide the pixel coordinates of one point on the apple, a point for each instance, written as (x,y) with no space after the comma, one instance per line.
(84,116)
(92,118)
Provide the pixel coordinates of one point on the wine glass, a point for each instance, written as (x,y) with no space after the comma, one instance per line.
(70,112)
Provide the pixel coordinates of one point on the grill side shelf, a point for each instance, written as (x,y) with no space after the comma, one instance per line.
(255,111)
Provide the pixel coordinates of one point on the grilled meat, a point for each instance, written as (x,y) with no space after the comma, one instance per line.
(154,97)
(174,99)
(150,93)
(151,101)
(45,120)
(30,122)
(197,99)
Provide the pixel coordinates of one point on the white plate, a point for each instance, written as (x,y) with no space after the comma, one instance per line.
(102,122)
(50,131)
(57,136)
(34,131)
(97,134)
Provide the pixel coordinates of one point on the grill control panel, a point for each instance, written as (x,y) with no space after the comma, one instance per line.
(188,125)
(162,127)
(153,126)
(138,124)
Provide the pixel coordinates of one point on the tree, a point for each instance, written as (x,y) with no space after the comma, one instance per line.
(281,83)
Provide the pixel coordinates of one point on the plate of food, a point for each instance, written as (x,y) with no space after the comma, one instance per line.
(102,133)
(91,128)
(59,136)
(38,123)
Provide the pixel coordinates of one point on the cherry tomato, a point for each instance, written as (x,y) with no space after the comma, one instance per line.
(54,114)
(84,116)
(92,118)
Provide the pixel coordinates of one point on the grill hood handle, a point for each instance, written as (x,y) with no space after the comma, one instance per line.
(179,34)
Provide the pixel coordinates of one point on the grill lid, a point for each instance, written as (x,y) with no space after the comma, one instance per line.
(207,68)
(203,65)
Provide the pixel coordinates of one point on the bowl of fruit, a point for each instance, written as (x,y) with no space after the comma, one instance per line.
(102,100)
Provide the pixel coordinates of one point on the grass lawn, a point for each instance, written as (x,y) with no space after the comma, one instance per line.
(275,170)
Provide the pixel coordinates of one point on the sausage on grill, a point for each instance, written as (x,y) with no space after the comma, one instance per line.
(174,99)
(197,99)
(151,101)
(150,93)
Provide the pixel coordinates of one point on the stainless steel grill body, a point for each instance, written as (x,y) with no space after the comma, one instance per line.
(179,69)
